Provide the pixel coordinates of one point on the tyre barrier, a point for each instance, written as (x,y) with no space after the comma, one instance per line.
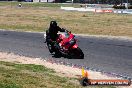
(111,74)
(103,11)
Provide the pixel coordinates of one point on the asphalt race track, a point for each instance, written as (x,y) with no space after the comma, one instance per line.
(110,55)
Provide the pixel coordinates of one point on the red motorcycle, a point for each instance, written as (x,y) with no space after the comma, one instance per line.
(67,46)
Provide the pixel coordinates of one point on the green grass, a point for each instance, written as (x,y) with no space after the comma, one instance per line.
(3,85)
(30,76)
(37,16)
(30,67)
(34,76)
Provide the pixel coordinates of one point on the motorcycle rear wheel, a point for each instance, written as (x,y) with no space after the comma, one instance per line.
(50,48)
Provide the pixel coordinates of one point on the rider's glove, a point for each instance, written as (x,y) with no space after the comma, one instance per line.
(66,31)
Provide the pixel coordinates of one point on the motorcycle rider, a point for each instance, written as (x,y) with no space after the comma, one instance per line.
(51,34)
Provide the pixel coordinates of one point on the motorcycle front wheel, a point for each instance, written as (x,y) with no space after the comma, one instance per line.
(77,53)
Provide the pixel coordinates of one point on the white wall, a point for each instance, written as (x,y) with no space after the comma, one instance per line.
(35,0)
(43,0)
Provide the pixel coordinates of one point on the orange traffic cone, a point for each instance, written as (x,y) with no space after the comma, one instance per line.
(86,74)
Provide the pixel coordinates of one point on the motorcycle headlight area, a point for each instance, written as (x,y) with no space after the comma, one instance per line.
(73,41)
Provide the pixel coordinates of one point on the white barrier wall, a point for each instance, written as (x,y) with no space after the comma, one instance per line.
(51,0)
(77,9)
(107,10)
(35,0)
(43,0)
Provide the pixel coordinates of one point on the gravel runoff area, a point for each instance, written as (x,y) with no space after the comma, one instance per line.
(62,70)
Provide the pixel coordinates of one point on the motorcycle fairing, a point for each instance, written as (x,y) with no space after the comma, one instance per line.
(74,46)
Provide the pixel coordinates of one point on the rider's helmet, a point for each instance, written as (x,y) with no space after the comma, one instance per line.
(53,24)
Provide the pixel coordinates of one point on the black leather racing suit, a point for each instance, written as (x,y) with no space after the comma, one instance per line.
(51,34)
